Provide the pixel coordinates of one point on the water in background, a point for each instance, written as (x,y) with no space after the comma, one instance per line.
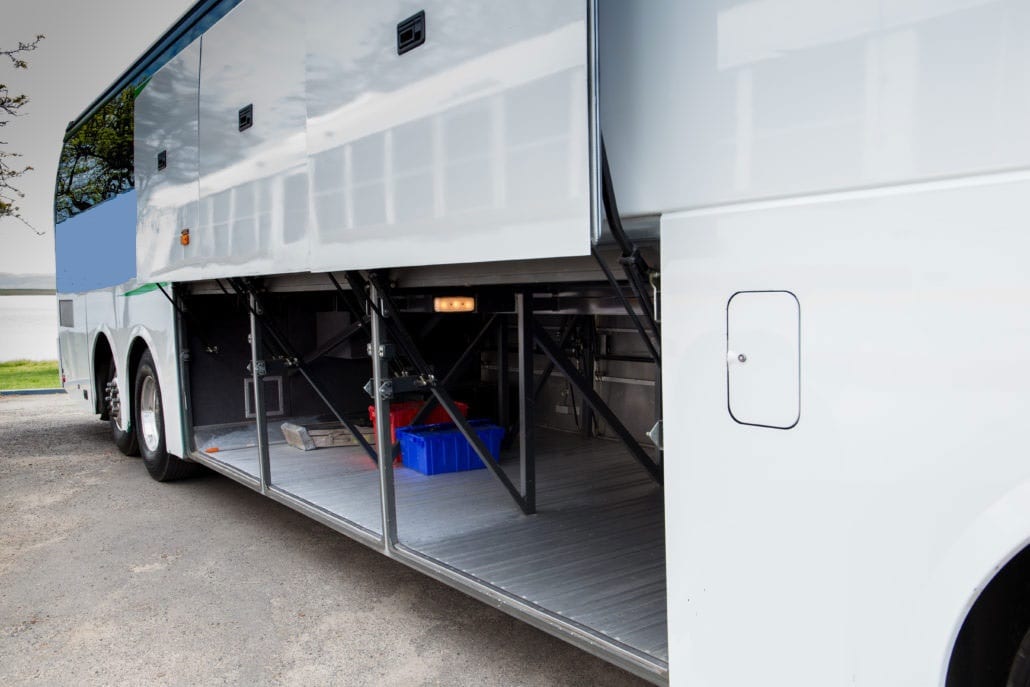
(28,327)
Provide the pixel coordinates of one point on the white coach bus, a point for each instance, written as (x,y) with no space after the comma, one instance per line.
(817,271)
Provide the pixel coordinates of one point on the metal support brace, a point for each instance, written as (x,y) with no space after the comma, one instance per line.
(381,372)
(589,336)
(352,301)
(257,310)
(652,349)
(563,340)
(503,418)
(400,335)
(257,365)
(466,355)
(527,449)
(590,396)
(334,343)
(638,272)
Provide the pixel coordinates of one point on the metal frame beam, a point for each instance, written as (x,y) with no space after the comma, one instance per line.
(527,447)
(257,369)
(503,393)
(563,339)
(589,337)
(638,272)
(380,373)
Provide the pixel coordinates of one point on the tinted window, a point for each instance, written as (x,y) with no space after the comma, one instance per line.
(96,161)
(66,313)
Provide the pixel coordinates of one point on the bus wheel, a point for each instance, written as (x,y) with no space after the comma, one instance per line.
(125,440)
(1019,674)
(150,429)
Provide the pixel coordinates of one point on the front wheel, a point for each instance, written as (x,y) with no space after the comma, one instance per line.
(150,426)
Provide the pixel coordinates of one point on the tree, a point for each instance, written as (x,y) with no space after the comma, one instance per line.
(10,106)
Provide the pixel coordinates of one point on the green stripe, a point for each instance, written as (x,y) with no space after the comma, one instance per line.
(146,288)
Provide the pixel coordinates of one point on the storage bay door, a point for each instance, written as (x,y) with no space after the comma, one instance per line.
(342,135)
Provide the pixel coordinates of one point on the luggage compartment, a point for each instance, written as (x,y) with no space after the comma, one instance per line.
(588,563)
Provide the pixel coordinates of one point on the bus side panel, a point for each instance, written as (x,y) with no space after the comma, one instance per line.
(147,316)
(73,347)
(845,550)
(717,101)
(471,147)
(166,156)
(253,172)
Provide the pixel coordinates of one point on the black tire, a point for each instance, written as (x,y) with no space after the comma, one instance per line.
(125,440)
(1019,673)
(161,465)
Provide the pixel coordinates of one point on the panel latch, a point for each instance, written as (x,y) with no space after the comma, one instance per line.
(411,32)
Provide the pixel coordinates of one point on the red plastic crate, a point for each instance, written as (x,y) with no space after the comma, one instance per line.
(403,412)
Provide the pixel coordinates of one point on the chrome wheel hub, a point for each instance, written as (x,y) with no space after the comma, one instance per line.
(149,407)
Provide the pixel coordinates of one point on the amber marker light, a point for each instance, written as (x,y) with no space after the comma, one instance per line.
(454,304)
(184,237)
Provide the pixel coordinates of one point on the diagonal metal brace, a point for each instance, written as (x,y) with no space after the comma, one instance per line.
(400,334)
(283,343)
(480,448)
(563,340)
(633,264)
(455,369)
(590,396)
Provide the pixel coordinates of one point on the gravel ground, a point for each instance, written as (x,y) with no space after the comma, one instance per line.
(107,577)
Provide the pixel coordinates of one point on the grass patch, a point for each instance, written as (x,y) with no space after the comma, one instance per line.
(29,374)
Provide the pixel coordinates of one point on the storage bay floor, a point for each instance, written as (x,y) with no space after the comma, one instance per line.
(109,577)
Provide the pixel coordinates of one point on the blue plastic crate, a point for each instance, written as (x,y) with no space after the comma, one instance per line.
(435,449)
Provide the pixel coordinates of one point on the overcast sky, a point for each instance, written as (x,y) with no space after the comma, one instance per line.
(88,45)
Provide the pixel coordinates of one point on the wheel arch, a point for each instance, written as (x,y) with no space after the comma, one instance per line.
(988,570)
(102,357)
(137,348)
(993,628)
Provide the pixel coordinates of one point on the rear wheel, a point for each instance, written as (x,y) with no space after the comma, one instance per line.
(1019,673)
(124,439)
(150,430)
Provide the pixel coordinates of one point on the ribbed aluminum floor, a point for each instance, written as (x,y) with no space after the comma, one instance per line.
(594,552)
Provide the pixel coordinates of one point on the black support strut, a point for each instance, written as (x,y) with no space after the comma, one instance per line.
(638,272)
(462,361)
(257,309)
(586,390)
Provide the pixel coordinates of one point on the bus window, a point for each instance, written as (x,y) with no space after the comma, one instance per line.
(96,161)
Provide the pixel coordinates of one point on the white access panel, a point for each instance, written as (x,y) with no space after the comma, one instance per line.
(474,146)
(253,182)
(166,166)
(713,101)
(854,543)
(763,366)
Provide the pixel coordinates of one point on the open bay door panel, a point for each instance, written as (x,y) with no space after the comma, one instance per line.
(166,167)
(340,135)
(220,151)
(442,132)
(253,173)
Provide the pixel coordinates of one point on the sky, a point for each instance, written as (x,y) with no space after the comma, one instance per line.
(87,47)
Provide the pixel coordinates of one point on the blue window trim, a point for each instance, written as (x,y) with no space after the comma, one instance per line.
(97,248)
